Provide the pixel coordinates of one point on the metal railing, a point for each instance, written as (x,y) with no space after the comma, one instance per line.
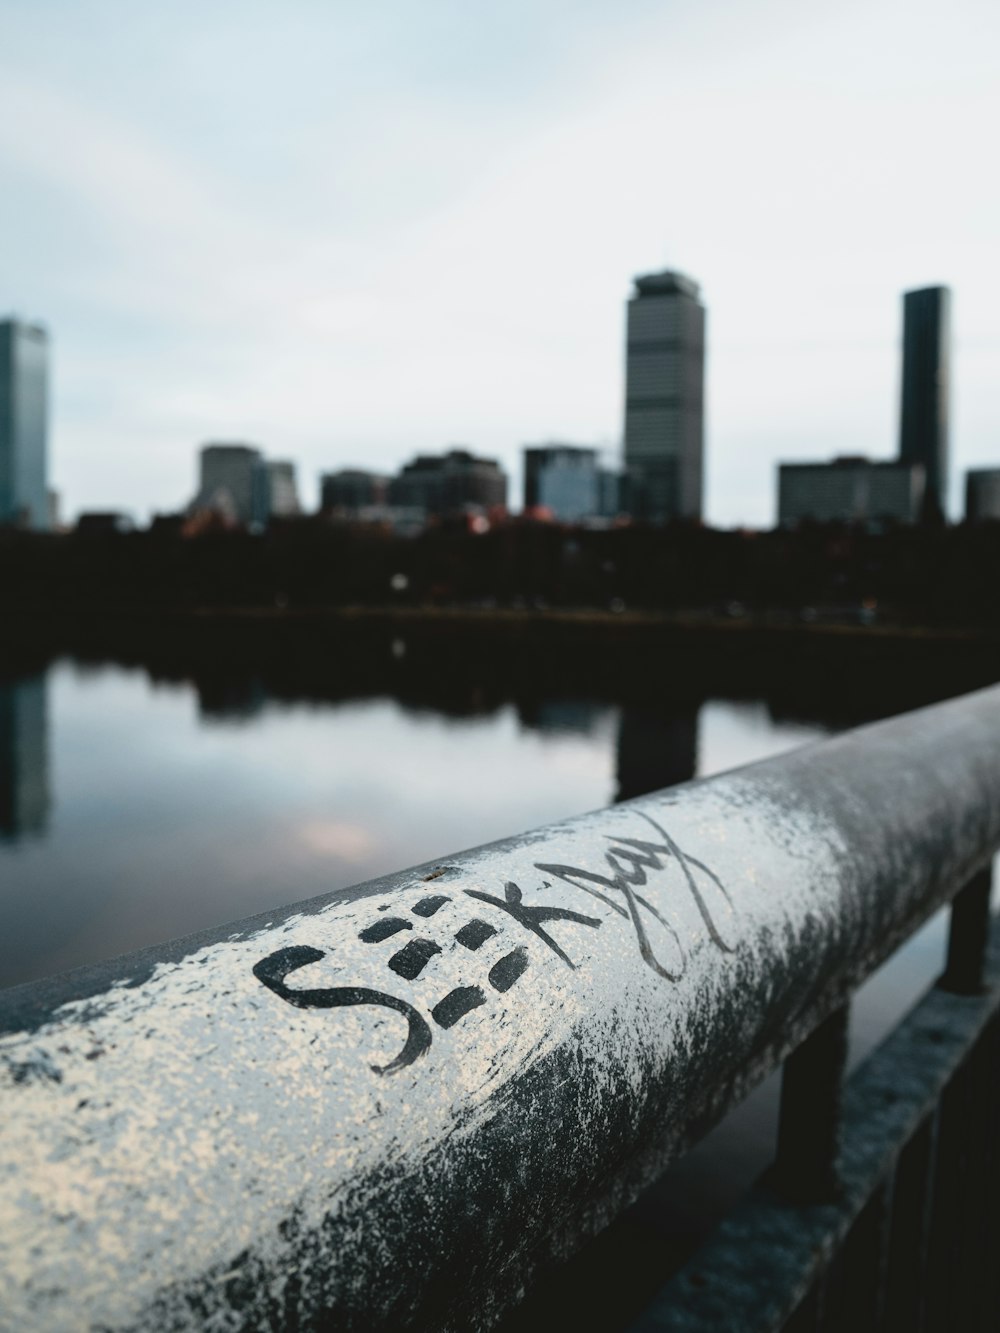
(388,1106)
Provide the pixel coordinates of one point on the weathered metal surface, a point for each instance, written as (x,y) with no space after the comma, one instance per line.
(769,1253)
(388,1102)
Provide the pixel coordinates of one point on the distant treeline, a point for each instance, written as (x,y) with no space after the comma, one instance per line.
(934,575)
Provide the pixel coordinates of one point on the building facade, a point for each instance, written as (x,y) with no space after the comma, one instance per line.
(562,478)
(448,483)
(275,494)
(850,490)
(351,490)
(24,358)
(982,494)
(609,493)
(229,481)
(664,398)
(923,434)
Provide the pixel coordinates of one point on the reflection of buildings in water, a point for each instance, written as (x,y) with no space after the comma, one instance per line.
(231,699)
(578,716)
(24,757)
(656,748)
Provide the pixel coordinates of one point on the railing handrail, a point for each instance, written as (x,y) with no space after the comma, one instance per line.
(388,1103)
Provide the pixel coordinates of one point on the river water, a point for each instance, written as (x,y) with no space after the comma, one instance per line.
(133,811)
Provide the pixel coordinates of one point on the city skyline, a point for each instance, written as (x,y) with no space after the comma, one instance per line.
(657,478)
(219,265)
(659,475)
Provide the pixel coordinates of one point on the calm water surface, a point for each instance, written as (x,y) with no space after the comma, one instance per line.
(134,812)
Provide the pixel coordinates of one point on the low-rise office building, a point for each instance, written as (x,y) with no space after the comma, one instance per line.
(104,523)
(229,482)
(275,491)
(610,493)
(568,481)
(242,488)
(982,494)
(562,478)
(850,490)
(441,484)
(352,490)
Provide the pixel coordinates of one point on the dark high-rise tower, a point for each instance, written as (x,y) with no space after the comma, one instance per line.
(924,418)
(664,377)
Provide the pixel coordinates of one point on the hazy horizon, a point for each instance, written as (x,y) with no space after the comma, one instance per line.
(348,235)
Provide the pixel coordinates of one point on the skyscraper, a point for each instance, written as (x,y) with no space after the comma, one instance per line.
(664,394)
(24,355)
(924,418)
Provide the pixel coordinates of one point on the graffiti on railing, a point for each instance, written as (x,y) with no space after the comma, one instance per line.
(629,862)
(409,961)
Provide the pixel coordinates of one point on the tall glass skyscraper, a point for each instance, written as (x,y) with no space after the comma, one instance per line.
(664,398)
(924,417)
(24,426)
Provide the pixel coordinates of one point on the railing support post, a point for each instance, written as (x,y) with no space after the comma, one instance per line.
(805,1165)
(970,923)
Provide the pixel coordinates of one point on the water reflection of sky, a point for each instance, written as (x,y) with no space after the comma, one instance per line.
(135,811)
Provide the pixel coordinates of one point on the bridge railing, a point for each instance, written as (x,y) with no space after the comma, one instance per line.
(388,1106)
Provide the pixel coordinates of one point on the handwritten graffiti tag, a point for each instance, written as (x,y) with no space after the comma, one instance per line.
(273,970)
(629,862)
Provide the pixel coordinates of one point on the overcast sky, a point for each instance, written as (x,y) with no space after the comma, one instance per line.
(351,231)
